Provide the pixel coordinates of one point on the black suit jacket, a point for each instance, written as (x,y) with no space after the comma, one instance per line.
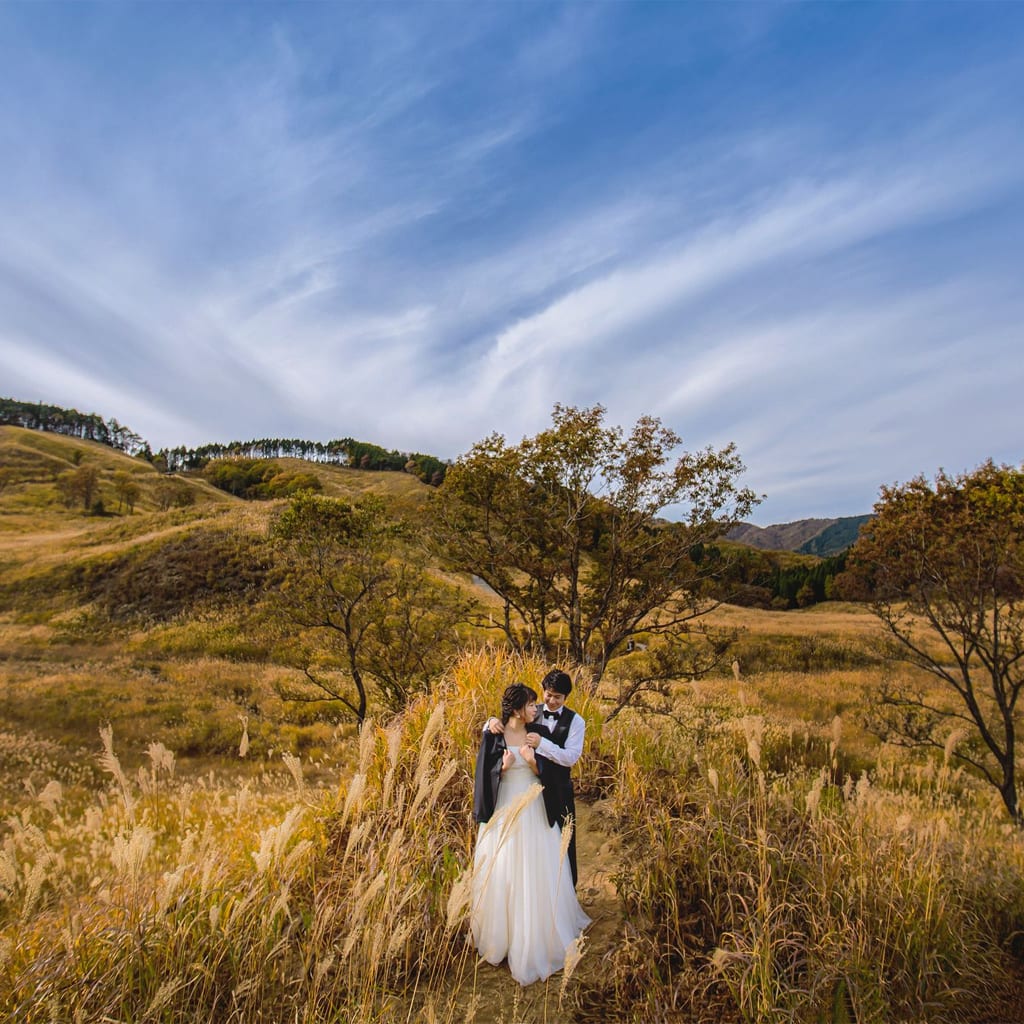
(488,773)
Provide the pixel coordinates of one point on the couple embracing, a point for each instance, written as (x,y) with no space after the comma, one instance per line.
(524,875)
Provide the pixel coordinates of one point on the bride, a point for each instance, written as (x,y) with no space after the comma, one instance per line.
(524,904)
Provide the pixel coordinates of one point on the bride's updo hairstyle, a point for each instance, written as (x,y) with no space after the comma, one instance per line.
(514,699)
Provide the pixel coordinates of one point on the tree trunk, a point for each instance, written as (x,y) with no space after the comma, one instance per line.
(1008,791)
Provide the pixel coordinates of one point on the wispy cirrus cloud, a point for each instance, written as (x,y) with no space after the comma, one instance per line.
(419,225)
(807,221)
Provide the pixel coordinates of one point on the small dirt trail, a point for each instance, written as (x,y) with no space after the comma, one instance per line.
(492,996)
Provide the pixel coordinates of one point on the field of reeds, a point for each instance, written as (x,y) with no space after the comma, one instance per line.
(740,864)
(181,844)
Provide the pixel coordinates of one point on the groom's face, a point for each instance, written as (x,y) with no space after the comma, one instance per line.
(553,700)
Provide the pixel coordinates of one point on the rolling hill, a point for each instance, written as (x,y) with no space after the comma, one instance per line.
(176,526)
(32,461)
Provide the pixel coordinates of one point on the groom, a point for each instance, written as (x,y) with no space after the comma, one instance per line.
(558,738)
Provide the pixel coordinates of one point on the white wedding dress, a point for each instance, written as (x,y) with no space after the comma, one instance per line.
(524,904)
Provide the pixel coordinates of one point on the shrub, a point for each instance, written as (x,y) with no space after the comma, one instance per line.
(780,896)
(206,566)
(815,653)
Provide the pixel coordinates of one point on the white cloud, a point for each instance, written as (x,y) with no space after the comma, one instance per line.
(388,236)
(804,222)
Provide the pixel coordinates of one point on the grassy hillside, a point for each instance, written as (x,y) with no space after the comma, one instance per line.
(180,843)
(404,490)
(34,460)
(779,537)
(155,620)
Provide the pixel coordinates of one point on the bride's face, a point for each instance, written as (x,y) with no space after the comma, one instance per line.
(528,712)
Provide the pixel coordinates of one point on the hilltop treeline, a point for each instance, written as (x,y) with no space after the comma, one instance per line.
(70,422)
(344,451)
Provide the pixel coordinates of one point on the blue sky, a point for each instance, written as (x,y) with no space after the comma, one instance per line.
(799,227)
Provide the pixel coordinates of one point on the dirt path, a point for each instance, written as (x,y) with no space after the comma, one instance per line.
(501,1000)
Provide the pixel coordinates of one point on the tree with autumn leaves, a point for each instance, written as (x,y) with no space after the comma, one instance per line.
(368,617)
(942,563)
(567,528)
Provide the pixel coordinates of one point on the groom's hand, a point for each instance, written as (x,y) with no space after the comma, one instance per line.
(495,725)
(533,740)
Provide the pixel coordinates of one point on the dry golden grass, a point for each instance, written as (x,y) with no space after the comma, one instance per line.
(771,889)
(61,533)
(38,458)
(280,910)
(224,856)
(758,880)
(352,484)
(30,448)
(193,706)
(836,618)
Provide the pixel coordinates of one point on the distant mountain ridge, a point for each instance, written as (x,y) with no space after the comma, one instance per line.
(822,537)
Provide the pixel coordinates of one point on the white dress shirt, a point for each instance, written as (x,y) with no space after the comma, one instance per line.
(568,755)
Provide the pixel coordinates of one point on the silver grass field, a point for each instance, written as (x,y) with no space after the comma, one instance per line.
(761,873)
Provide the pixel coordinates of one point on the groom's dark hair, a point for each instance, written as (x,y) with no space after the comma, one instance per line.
(558,682)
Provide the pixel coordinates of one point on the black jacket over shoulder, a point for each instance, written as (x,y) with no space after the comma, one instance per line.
(488,776)
(488,773)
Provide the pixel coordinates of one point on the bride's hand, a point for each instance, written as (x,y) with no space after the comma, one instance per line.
(526,751)
(507,759)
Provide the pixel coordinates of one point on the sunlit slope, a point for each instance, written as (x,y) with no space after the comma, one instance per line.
(43,543)
(351,484)
(33,461)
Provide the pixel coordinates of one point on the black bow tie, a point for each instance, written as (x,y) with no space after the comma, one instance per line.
(552,714)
